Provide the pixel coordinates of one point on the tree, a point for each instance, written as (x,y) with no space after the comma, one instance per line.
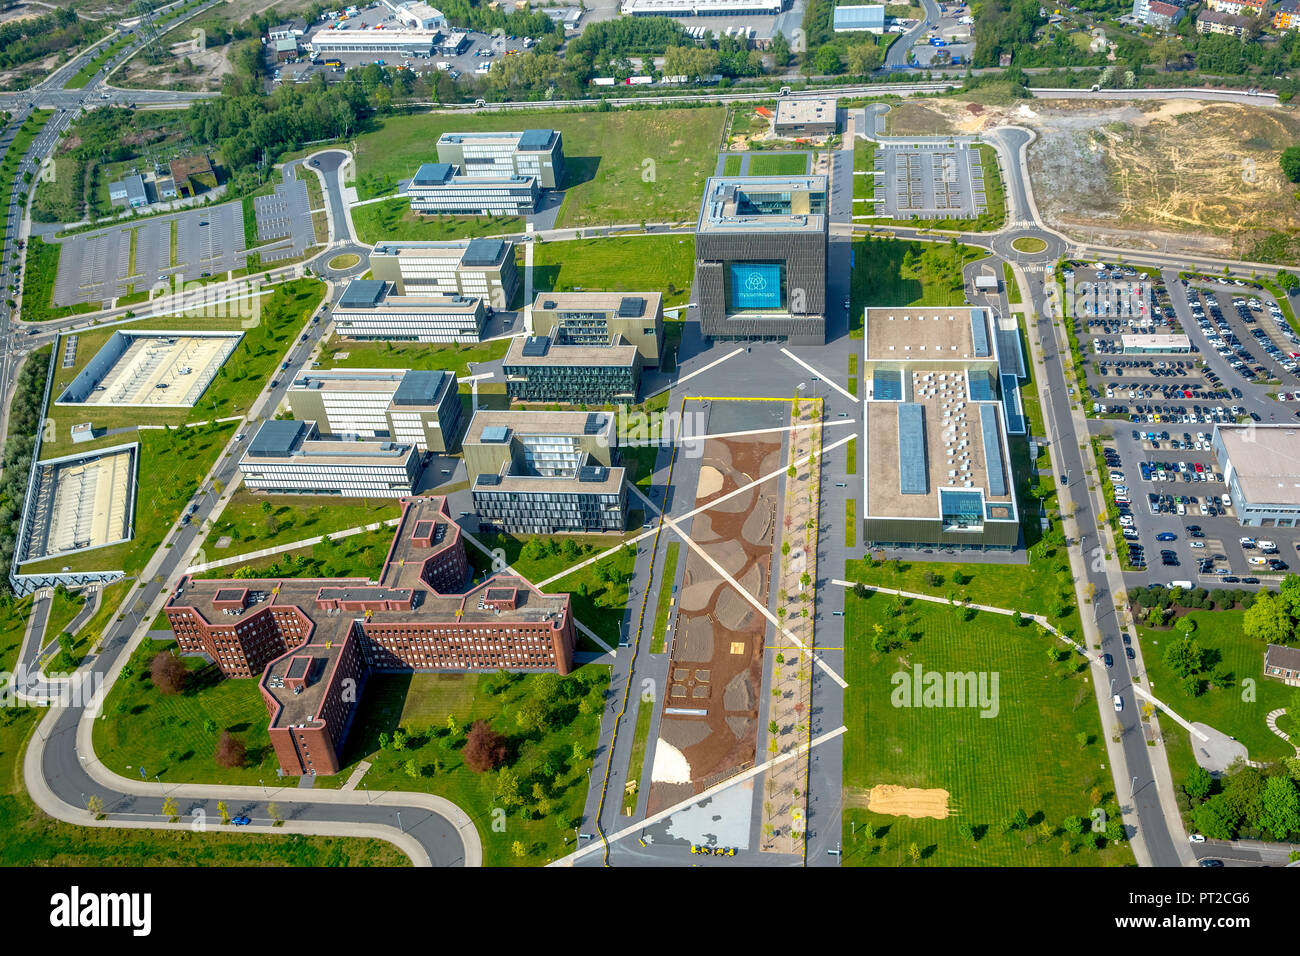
(169,810)
(411,769)
(1280,808)
(209,726)
(914,853)
(780,50)
(400,739)
(1213,820)
(967,832)
(517,849)
(1268,620)
(863,58)
(230,751)
(224,811)
(1198,783)
(1081,738)
(1183,656)
(485,749)
(1073,825)
(508,784)
(95,805)
(167,673)
(1290,163)
(273,811)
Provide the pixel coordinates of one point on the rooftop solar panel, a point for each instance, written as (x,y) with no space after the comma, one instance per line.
(997,478)
(912,472)
(536,346)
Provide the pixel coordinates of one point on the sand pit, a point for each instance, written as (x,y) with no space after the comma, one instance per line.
(696,597)
(908,802)
(710,482)
(758,526)
(670,765)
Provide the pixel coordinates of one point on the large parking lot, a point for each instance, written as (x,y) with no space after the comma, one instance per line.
(1157,415)
(97,266)
(932,182)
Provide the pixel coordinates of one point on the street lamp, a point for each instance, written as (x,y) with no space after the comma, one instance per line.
(399,821)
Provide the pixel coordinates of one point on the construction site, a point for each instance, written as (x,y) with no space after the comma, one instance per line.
(151,369)
(80,502)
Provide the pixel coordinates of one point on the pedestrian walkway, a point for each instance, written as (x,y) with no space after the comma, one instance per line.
(290,546)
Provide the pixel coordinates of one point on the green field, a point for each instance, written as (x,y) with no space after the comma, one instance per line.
(40,268)
(551,775)
(291,518)
(358,555)
(234,388)
(1009,281)
(1221,708)
(620,167)
(1027,757)
(636,759)
(885,274)
(34,839)
(663,604)
(778,164)
(22,141)
(393,219)
(172,464)
(664,264)
(343,353)
(731,165)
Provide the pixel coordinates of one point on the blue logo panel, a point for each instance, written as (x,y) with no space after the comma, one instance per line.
(755,285)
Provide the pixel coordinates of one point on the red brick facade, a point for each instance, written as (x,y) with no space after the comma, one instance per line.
(314,642)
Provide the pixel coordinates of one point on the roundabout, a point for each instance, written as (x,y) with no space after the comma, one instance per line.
(343,262)
(1029,244)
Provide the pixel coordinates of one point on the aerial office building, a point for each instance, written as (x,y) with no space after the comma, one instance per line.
(760,258)
(419,407)
(543,472)
(438,189)
(315,642)
(292,458)
(470,267)
(942,401)
(372,309)
(805,116)
(538,153)
(537,370)
(602,318)
(702,8)
(1260,468)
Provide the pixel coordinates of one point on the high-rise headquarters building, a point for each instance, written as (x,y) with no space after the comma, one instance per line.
(760,258)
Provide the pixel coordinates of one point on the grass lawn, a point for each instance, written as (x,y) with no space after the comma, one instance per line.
(1038,589)
(617,264)
(359,555)
(1026,758)
(664,604)
(172,464)
(416,355)
(1012,287)
(853,375)
(550,763)
(232,390)
(63,609)
(41,267)
(624,166)
(393,219)
(34,839)
(639,461)
(292,518)
(851,451)
(884,276)
(731,165)
(778,164)
(636,759)
(1029,244)
(164,733)
(1222,708)
(850,523)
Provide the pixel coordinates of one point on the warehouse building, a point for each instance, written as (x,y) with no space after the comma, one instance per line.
(289,457)
(545,472)
(602,318)
(1260,467)
(760,259)
(315,642)
(805,116)
(942,400)
(470,267)
(371,309)
(860,18)
(437,189)
(538,153)
(420,407)
(537,370)
(403,43)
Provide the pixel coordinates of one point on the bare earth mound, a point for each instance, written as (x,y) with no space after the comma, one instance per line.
(908,802)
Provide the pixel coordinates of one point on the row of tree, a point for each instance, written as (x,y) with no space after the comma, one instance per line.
(24,425)
(1247,802)
(23,41)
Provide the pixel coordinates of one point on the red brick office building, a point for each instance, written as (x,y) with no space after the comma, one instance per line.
(314,641)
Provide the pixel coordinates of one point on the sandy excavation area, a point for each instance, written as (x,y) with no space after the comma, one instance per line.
(898,801)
